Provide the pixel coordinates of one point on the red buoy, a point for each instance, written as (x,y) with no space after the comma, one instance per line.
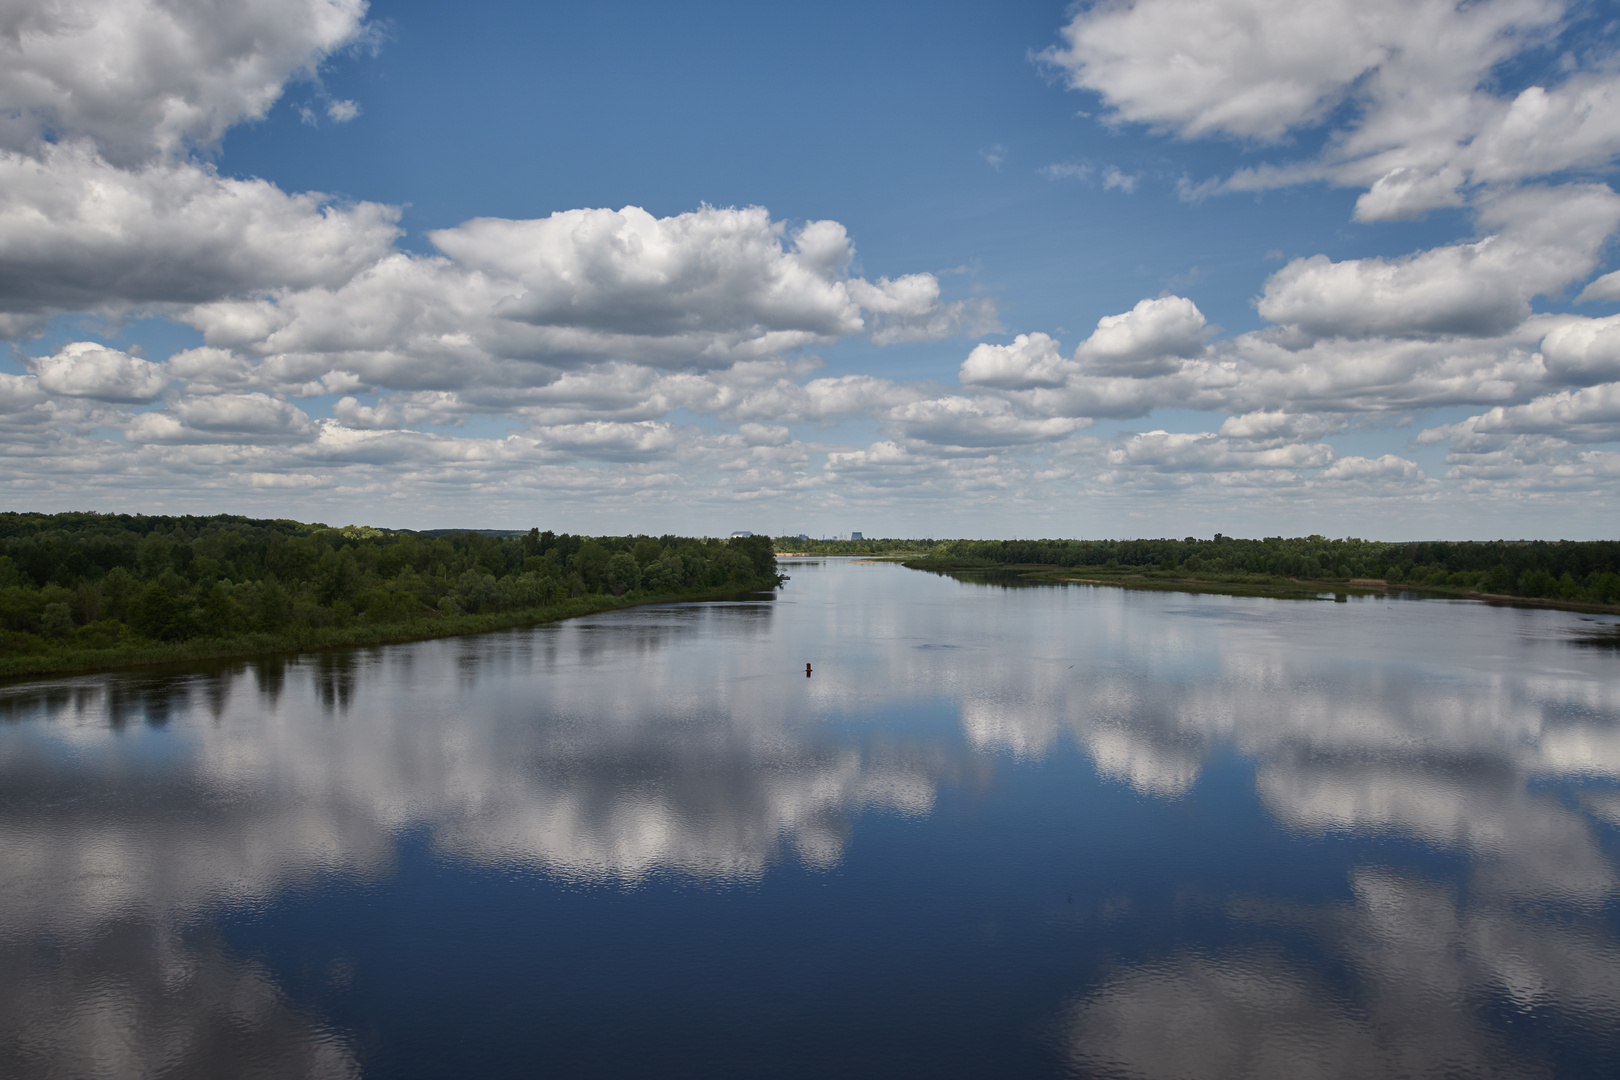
(807,671)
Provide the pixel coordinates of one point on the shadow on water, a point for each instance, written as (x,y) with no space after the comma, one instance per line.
(48,702)
(270,676)
(216,688)
(645,631)
(152,698)
(334,679)
(996,578)
(1596,634)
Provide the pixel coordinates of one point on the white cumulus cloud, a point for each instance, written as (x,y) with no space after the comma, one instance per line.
(144,77)
(1150,339)
(1549,238)
(221,418)
(1584,351)
(1030,360)
(517,303)
(86,369)
(1260,68)
(1385,468)
(982,421)
(79,234)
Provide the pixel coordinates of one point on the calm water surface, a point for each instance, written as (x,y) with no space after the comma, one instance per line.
(1055,831)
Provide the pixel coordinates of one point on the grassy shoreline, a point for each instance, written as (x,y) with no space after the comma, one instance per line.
(315,639)
(1258,585)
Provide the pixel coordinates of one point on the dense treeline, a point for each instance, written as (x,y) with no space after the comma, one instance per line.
(886,546)
(84,581)
(1572,571)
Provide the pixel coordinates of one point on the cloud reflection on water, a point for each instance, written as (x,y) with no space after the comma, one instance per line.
(1418,965)
(1413,735)
(137,805)
(685,741)
(135,999)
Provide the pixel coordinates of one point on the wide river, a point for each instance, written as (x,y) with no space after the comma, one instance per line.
(999,831)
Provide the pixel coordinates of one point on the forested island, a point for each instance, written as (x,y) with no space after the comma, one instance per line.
(1573,574)
(84,591)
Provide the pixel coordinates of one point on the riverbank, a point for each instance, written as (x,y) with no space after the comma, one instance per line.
(315,639)
(1236,584)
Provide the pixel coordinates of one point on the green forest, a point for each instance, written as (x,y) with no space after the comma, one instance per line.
(80,591)
(1577,572)
(887,546)
(83,590)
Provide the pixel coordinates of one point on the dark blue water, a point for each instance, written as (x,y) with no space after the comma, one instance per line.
(1058,831)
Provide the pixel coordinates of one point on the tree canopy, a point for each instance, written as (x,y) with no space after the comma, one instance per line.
(84,581)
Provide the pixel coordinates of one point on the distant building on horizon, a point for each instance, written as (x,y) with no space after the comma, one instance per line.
(740,533)
(856,536)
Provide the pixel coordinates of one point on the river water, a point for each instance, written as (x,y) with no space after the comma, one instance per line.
(999,831)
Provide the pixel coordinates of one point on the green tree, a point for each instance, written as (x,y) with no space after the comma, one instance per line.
(623,573)
(591,562)
(646,552)
(221,615)
(56,621)
(272,607)
(116,588)
(160,612)
(154,555)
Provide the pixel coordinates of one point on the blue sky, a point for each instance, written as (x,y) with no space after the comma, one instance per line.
(1161,268)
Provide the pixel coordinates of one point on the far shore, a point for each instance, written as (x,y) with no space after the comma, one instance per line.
(1256,585)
